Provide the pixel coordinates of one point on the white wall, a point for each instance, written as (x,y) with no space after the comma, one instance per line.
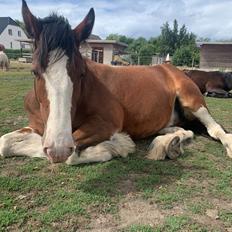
(86,51)
(7,39)
(107,53)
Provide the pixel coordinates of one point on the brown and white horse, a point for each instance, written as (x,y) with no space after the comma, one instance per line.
(80,111)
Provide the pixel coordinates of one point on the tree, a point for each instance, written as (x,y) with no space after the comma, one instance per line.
(120,38)
(134,49)
(145,54)
(172,39)
(186,56)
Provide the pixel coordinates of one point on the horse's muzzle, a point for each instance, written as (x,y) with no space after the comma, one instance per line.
(58,154)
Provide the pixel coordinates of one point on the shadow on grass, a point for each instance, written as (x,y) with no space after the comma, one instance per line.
(131,175)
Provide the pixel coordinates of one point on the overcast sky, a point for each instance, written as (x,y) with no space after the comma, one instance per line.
(205,18)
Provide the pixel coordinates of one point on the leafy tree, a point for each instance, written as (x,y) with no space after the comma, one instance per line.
(203,39)
(172,39)
(134,49)
(186,56)
(145,53)
(154,42)
(120,38)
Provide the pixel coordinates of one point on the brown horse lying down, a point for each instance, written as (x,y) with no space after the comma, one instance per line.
(79,111)
(213,84)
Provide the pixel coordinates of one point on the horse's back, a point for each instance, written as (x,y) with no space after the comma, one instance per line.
(147,94)
(4,62)
(204,80)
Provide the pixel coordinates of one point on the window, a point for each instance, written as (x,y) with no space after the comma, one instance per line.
(97,55)
(19,33)
(22,45)
(11,45)
(10,31)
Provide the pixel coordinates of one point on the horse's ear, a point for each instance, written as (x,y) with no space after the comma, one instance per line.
(32,24)
(84,29)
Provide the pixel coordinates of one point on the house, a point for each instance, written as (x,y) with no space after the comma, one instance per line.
(215,55)
(102,51)
(11,33)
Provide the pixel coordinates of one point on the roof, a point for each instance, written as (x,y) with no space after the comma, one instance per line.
(213,43)
(103,41)
(95,37)
(5,21)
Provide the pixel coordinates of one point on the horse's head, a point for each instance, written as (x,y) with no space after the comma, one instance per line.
(57,66)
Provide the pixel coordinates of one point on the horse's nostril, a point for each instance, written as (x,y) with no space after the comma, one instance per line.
(72,149)
(45,149)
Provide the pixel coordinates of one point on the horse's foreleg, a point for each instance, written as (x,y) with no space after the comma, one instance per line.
(98,142)
(169,143)
(117,145)
(23,142)
(214,129)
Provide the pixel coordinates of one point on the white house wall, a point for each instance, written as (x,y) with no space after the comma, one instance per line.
(7,39)
(108,53)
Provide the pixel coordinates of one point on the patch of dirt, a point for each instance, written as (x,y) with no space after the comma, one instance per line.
(132,210)
(222,204)
(139,211)
(209,222)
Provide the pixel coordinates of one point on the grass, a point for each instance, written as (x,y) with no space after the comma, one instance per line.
(38,196)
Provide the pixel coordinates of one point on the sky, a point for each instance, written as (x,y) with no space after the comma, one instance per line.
(205,18)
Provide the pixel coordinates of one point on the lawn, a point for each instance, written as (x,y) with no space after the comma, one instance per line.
(130,194)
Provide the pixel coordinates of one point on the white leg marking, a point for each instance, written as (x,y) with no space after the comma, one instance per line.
(214,129)
(17,143)
(119,145)
(169,143)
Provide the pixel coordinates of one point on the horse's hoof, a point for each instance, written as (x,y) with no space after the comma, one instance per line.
(174,148)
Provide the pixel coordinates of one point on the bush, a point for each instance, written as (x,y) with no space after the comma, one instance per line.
(16,53)
(146,52)
(185,55)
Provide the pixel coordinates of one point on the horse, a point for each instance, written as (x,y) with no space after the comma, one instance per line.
(213,83)
(4,62)
(2,47)
(80,111)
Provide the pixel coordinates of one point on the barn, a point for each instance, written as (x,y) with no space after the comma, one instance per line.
(215,55)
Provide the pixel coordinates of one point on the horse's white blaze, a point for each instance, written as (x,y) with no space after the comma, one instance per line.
(119,144)
(214,129)
(59,89)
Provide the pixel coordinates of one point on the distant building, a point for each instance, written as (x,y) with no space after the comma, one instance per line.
(215,55)
(102,51)
(11,33)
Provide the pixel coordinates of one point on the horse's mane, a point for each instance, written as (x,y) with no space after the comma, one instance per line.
(56,34)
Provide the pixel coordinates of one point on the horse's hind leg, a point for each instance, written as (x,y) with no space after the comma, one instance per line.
(169,143)
(194,106)
(23,142)
(214,129)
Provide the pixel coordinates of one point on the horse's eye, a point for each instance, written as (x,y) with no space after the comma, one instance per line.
(35,72)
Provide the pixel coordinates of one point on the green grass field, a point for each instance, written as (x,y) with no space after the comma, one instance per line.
(193,193)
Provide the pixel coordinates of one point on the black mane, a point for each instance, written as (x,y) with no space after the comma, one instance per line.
(56,34)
